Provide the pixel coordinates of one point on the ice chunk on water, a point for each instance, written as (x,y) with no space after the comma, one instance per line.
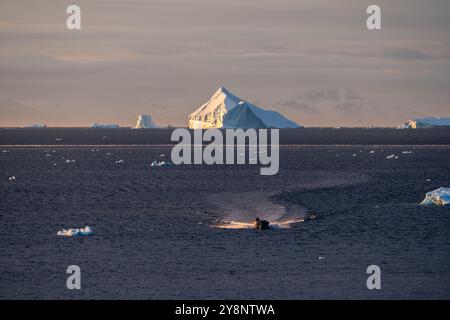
(438,197)
(160,164)
(76,232)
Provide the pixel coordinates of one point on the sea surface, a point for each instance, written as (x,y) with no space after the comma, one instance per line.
(182,232)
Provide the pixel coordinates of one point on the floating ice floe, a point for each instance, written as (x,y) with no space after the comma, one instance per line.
(392,156)
(438,197)
(12,178)
(70,161)
(119,161)
(372,151)
(407,152)
(76,232)
(5,151)
(160,164)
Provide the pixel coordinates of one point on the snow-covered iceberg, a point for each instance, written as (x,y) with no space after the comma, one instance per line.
(438,197)
(210,114)
(239,114)
(104,126)
(76,232)
(246,115)
(426,123)
(145,121)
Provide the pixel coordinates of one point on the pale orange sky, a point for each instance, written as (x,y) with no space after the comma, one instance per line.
(166,57)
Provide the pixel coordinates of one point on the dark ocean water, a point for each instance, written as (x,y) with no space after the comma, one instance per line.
(156,235)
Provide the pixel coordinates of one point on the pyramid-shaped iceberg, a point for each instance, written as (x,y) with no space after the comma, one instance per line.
(225,110)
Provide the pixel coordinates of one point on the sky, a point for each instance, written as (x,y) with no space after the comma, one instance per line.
(167,57)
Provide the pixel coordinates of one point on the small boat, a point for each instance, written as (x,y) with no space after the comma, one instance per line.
(261,224)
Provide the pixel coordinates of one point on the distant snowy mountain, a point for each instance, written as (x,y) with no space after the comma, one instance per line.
(210,114)
(145,122)
(319,101)
(224,109)
(427,123)
(246,115)
(335,107)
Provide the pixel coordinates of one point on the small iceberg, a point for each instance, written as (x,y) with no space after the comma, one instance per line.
(145,122)
(438,197)
(160,164)
(392,156)
(36,125)
(12,178)
(104,126)
(75,232)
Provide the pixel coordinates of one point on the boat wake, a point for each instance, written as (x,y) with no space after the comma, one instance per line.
(239,211)
(281,224)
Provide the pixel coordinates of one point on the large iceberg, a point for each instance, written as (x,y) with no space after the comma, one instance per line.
(145,122)
(104,126)
(237,112)
(210,114)
(439,197)
(427,123)
(246,115)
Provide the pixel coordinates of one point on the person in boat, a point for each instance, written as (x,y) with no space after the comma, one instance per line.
(261,224)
